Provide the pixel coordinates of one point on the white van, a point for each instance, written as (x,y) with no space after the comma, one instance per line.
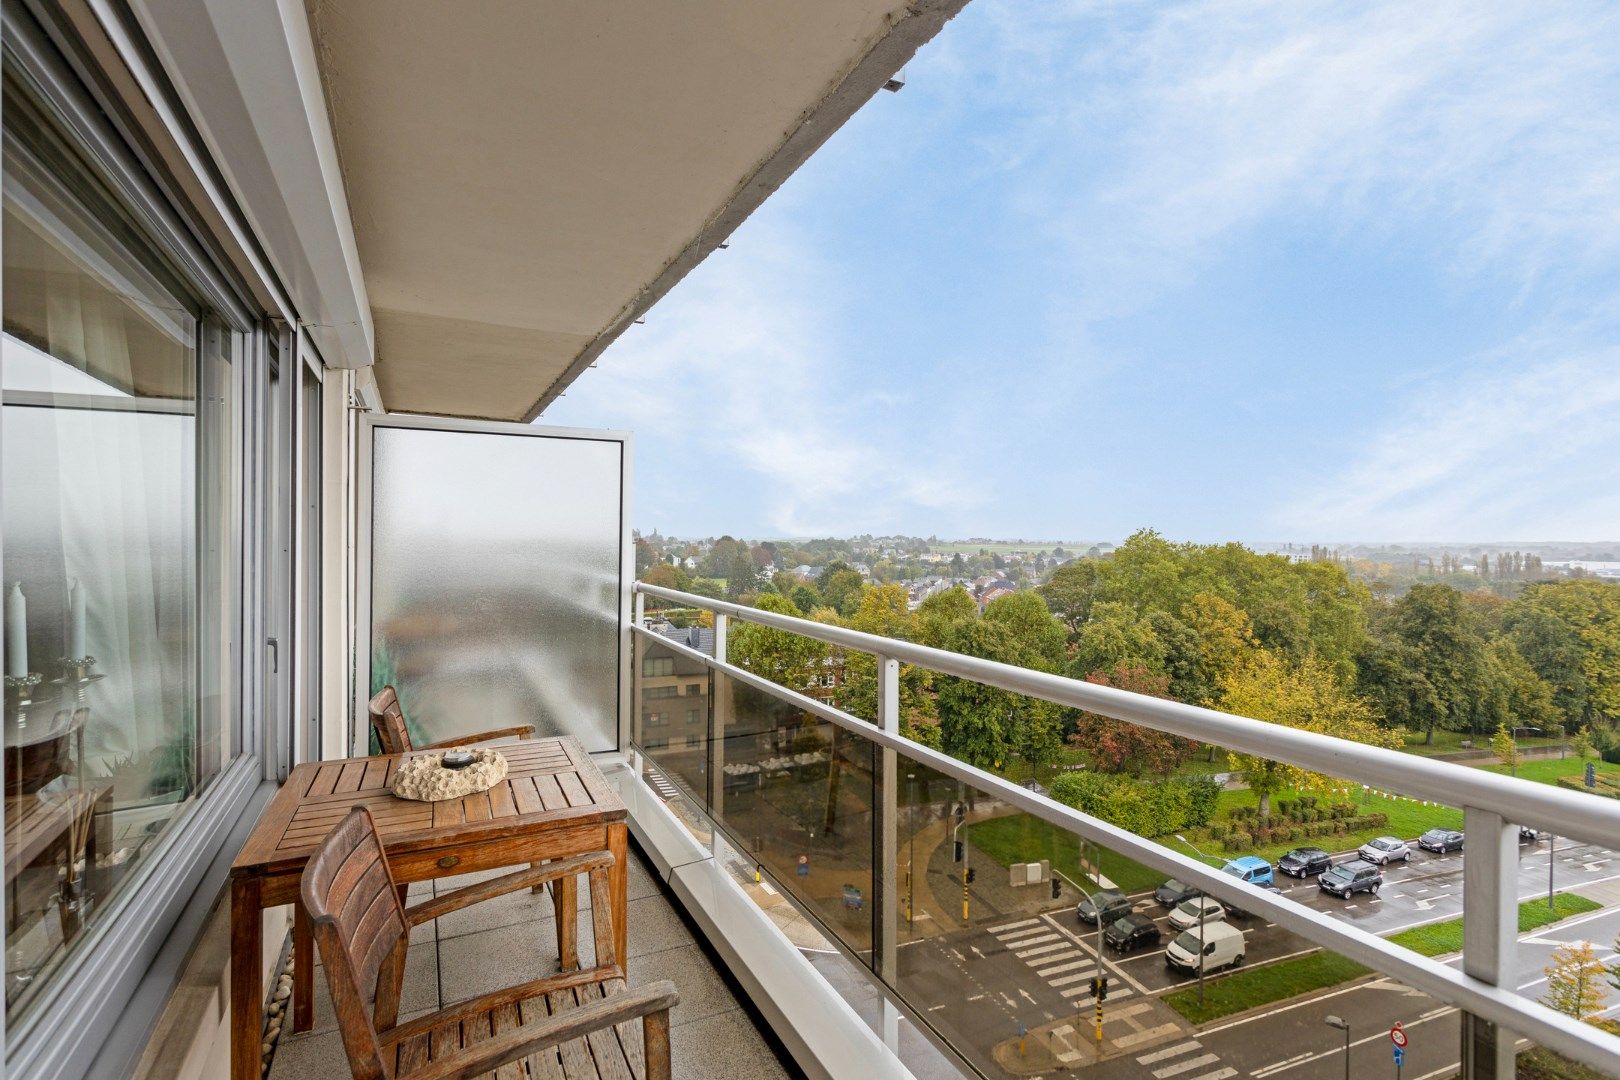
(1223,947)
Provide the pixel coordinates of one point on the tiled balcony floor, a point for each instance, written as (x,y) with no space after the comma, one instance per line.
(513,938)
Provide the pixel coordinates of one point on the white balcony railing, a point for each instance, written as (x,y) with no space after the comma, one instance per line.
(1493,807)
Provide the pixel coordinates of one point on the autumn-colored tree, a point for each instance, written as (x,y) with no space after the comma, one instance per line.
(1307,696)
(1116,746)
(1575,979)
(1506,748)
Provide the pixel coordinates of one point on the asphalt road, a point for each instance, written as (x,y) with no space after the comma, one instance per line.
(980,983)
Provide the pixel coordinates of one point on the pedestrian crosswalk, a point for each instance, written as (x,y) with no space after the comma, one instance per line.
(1055,957)
(1183,1062)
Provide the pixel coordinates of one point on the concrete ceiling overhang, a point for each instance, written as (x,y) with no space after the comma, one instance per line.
(525,179)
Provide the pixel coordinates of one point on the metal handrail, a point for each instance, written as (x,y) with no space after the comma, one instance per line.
(1566,813)
(1320,753)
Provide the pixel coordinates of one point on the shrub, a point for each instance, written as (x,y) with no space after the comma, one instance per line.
(1285,807)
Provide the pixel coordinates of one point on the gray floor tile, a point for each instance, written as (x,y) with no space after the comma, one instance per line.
(703,992)
(420,992)
(725,1046)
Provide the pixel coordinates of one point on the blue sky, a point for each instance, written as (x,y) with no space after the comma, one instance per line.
(1263,271)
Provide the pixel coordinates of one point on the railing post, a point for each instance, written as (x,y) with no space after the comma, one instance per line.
(886,856)
(641,609)
(1490,935)
(719,721)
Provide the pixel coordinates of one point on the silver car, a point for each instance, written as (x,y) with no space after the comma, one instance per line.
(1385,849)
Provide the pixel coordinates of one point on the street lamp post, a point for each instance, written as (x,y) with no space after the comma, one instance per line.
(1100,969)
(1344,1026)
(1201,898)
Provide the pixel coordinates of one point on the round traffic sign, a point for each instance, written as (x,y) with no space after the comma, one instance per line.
(1397,1035)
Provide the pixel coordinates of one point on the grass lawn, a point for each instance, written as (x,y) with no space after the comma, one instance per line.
(1259,986)
(1407,818)
(1451,742)
(1023,838)
(1447,937)
(1548,770)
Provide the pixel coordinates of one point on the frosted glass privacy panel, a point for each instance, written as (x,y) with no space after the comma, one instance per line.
(495,578)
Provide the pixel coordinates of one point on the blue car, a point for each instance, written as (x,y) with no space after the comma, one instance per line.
(1250,868)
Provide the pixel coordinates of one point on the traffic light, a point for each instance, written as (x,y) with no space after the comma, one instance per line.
(1099,987)
(961,811)
(1057,889)
(958,851)
(971,874)
(1096,986)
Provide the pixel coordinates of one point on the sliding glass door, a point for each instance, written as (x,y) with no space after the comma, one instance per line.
(128,395)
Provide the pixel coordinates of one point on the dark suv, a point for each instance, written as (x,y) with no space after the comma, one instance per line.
(1357,875)
(1305,862)
(1174,892)
(1131,932)
(1108,904)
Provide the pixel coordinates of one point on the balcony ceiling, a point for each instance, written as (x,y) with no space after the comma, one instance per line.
(525,179)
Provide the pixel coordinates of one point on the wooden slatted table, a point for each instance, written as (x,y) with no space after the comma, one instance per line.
(553,803)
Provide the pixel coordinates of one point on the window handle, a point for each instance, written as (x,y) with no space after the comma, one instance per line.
(275,656)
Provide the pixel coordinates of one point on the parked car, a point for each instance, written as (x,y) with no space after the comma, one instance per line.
(1385,849)
(1347,878)
(1131,932)
(1236,909)
(1250,868)
(1221,946)
(1107,904)
(1441,841)
(1174,892)
(1185,914)
(1305,862)
(1527,835)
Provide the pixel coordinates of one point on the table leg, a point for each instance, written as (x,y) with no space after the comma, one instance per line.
(247,980)
(303,995)
(618,838)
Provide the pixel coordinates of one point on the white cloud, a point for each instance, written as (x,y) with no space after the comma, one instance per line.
(741,373)
(1511,448)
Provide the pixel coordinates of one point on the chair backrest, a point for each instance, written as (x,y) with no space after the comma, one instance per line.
(388,721)
(360,927)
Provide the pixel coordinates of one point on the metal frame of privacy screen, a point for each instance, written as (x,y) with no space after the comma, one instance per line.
(514,542)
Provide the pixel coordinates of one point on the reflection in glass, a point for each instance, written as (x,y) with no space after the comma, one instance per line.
(121,556)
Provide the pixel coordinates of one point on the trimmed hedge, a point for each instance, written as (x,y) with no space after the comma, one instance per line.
(1144,807)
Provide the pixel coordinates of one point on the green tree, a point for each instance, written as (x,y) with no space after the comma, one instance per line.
(1442,645)
(805,598)
(1569,631)
(1114,635)
(787,659)
(1070,591)
(1307,696)
(842,591)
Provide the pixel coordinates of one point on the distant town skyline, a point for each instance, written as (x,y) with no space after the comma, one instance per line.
(1281,270)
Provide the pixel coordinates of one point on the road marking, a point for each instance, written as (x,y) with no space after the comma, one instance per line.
(1024,954)
(1045,971)
(1170,1052)
(1218,1074)
(1012,925)
(1026,996)
(1186,1066)
(1147,1035)
(1067,979)
(1277,1068)
(1024,937)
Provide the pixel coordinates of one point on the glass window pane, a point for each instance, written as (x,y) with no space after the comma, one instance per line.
(121,556)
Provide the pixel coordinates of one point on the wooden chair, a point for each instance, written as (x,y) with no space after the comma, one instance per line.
(388,721)
(575,1023)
